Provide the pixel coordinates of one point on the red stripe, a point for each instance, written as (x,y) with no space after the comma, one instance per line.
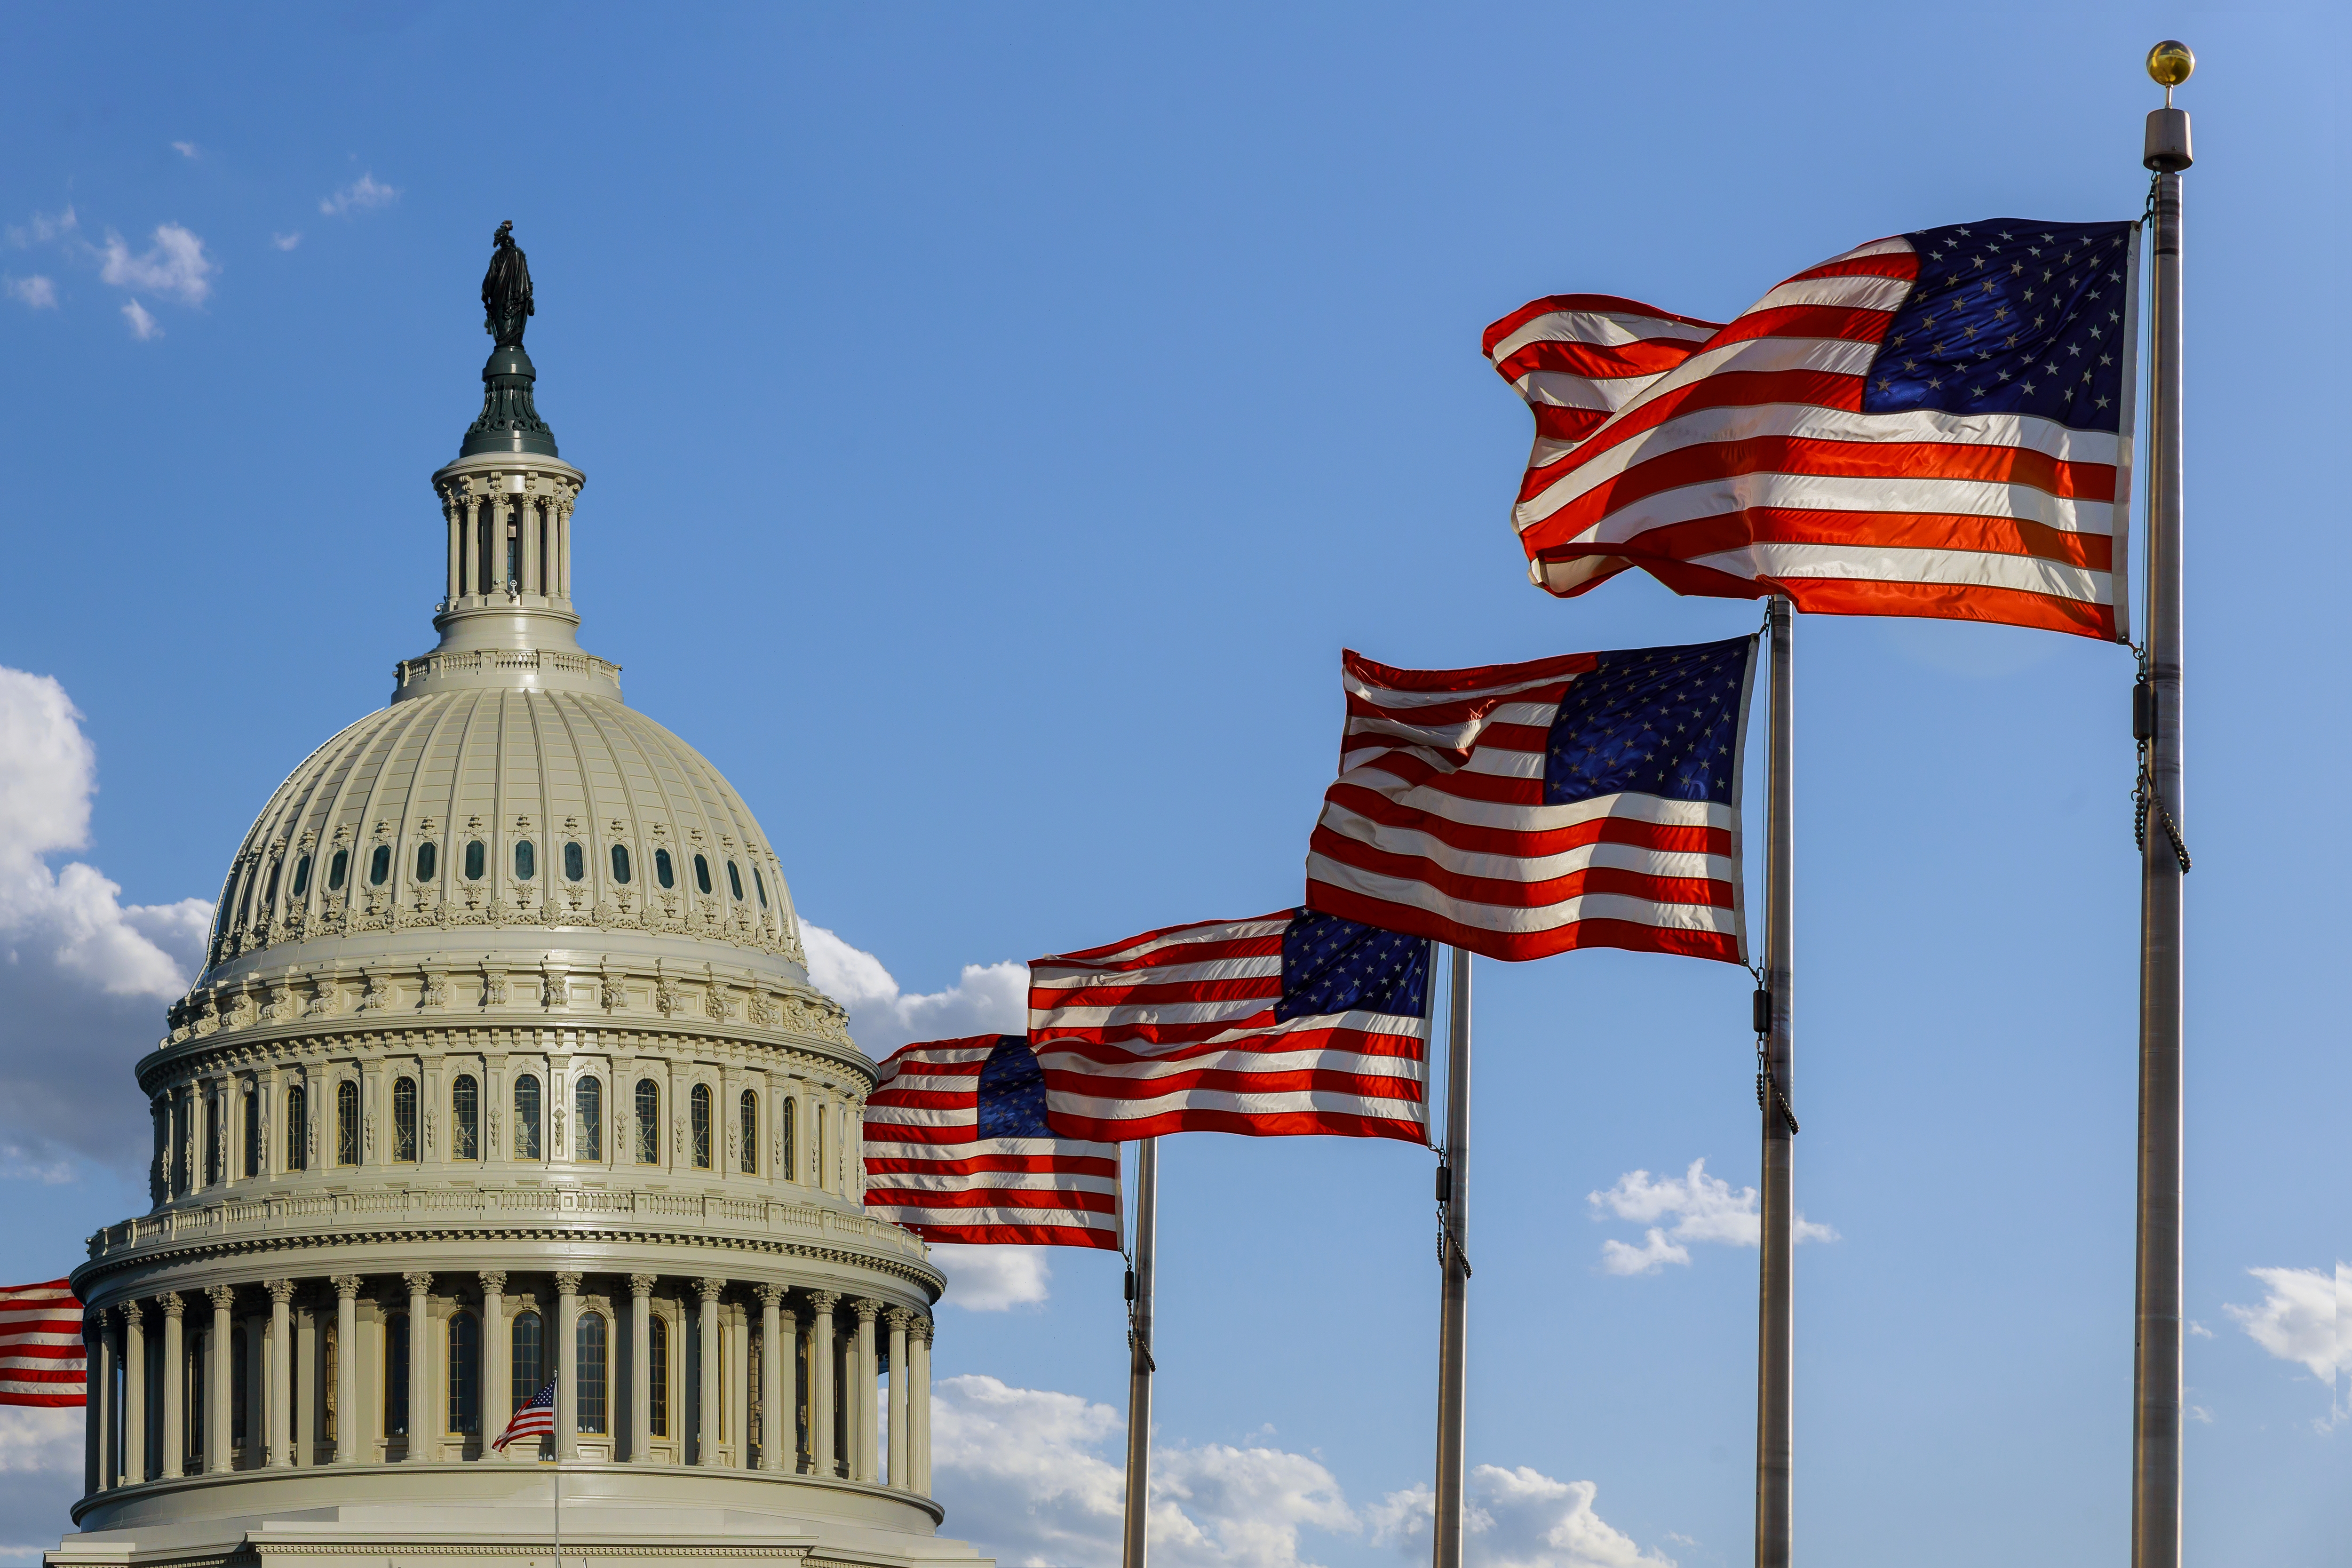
(979,1164)
(1598,362)
(1598,304)
(1697,891)
(1530,843)
(1968,532)
(47,1401)
(1019,1235)
(1518,946)
(1284,1124)
(1473,677)
(1554,423)
(991,1197)
(1902,264)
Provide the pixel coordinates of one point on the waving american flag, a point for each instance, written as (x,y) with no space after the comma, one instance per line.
(41,1352)
(1937,424)
(535,1418)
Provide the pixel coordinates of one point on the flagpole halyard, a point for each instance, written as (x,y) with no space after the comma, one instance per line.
(1453,1299)
(2164,865)
(1775,1091)
(1138,1345)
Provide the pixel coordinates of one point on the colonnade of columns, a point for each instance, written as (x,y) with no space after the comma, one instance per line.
(803,1398)
(480,562)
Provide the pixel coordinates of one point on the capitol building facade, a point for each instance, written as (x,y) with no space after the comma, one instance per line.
(505,1070)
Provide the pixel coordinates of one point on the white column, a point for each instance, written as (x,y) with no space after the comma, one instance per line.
(919,1445)
(135,1394)
(472,506)
(641,1369)
(455,512)
(222,1368)
(567,1360)
(281,1373)
(822,1408)
(498,1355)
(899,1474)
(305,1387)
(564,532)
(171,1461)
(420,1413)
(777,1334)
(738,1333)
(706,1435)
(347,1369)
(527,525)
(869,1416)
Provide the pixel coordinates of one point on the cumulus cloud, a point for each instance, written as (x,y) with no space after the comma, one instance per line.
(42,229)
(1704,1209)
(142,325)
(1036,1478)
(174,263)
(2304,1317)
(988,999)
(34,293)
(38,1441)
(992,1278)
(287,241)
(83,977)
(360,196)
(1518,1518)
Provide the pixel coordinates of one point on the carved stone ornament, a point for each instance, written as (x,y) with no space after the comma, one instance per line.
(714,1004)
(494,988)
(761,1009)
(436,991)
(665,998)
(373,993)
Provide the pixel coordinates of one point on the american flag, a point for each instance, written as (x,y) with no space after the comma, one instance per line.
(1938,423)
(957,1149)
(1591,800)
(1292,1023)
(41,1355)
(536,1418)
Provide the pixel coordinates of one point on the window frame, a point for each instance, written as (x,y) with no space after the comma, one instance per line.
(702,873)
(698,1126)
(657,1378)
(620,862)
(427,863)
(583,1411)
(476,859)
(649,1140)
(399,1345)
(526,861)
(747,1119)
(380,866)
(347,1127)
(588,1119)
(453,1401)
(531,1125)
(664,870)
(464,1116)
(297,1127)
(404,1137)
(575,861)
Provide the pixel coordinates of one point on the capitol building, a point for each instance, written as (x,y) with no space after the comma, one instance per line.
(505,1068)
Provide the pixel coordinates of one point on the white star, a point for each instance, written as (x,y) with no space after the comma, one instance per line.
(2016,266)
(2000,312)
(2051,368)
(2004,234)
(2047,275)
(1977,260)
(2075,349)
(1898,339)
(2049,236)
(2029,386)
(2086,376)
(2039,319)
(2113,316)
(2094,331)
(2102,402)
(2106,359)
(1934,386)
(1910,365)
(1977,392)
(2010,342)
(2004,375)
(2034,250)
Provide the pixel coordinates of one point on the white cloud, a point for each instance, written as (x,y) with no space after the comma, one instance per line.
(1518,1518)
(2304,1317)
(174,264)
(1036,1478)
(185,149)
(989,999)
(83,977)
(287,241)
(35,293)
(34,1440)
(1704,1209)
(360,196)
(43,228)
(992,1278)
(142,325)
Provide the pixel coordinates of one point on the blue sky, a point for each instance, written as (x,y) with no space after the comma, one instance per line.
(996,421)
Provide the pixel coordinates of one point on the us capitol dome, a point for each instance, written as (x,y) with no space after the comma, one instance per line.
(505,1068)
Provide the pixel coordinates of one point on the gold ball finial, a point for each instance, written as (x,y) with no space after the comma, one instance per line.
(2169,63)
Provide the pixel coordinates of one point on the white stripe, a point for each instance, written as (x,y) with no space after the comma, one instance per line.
(1962,567)
(1631,806)
(1602,329)
(1859,291)
(1832,356)
(1404,1113)
(1567,389)
(1506,867)
(1221,931)
(1832,494)
(1257,966)
(1076,1056)
(1497,918)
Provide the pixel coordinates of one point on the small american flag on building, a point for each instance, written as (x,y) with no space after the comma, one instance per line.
(957,1149)
(1519,810)
(1292,1023)
(1937,424)
(41,1355)
(536,1418)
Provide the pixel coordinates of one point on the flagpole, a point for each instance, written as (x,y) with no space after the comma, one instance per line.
(2164,861)
(1775,1345)
(1453,1298)
(1139,1346)
(555,1477)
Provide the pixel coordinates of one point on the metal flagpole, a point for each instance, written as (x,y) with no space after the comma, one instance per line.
(1453,1300)
(2164,861)
(556,1476)
(1139,1347)
(1775,1338)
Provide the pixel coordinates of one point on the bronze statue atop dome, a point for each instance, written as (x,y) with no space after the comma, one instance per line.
(506,290)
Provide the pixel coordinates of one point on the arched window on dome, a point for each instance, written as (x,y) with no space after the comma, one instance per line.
(657,1375)
(524,1359)
(337,869)
(270,897)
(760,886)
(698,1128)
(701,876)
(428,861)
(735,881)
(464,1118)
(301,879)
(664,872)
(395,1376)
(403,1119)
(298,1128)
(588,1373)
(252,1113)
(576,862)
(380,866)
(477,859)
(527,1117)
(526,859)
(747,1111)
(588,1113)
(648,1123)
(621,864)
(787,1121)
(347,1123)
(465,1375)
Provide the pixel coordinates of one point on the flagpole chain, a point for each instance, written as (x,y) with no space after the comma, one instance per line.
(1448,1250)
(1764,1074)
(2146,797)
